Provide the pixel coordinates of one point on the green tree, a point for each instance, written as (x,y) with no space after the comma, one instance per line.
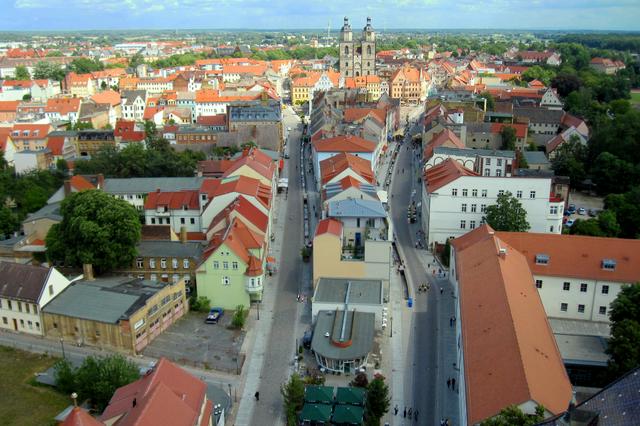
(97,229)
(48,71)
(491,102)
(608,223)
(565,83)
(293,395)
(536,72)
(625,331)
(8,221)
(446,253)
(507,214)
(589,227)
(513,416)
(570,161)
(85,65)
(136,60)
(508,135)
(378,400)
(98,378)
(201,304)
(360,381)
(239,317)
(626,208)
(65,376)
(612,174)
(22,73)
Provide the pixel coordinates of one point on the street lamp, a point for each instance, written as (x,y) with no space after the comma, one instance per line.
(62,345)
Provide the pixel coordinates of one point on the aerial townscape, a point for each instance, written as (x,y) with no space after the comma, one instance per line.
(318,219)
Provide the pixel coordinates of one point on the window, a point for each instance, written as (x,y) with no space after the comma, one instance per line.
(97,333)
(532,194)
(193,221)
(30,324)
(216,264)
(35,309)
(602,310)
(153,220)
(19,306)
(139,263)
(175,278)
(473,208)
(163,263)
(5,321)
(553,210)
(581,309)
(483,208)
(484,193)
(518,194)
(563,307)
(358,223)
(488,162)
(464,208)
(225,265)
(153,277)
(234,265)
(542,259)
(474,192)
(498,173)
(566,286)
(226,281)
(37,325)
(583,288)
(551,228)
(609,264)
(182,220)
(185,263)
(538,283)
(50,290)
(500,192)
(152,263)
(464,192)
(174,263)
(463,224)
(472,224)
(605,290)
(21,323)
(499,162)
(26,307)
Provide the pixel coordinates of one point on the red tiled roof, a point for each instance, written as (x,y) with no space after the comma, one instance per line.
(444,173)
(126,130)
(335,165)
(212,120)
(344,143)
(329,226)
(55,144)
(9,106)
(173,200)
(79,417)
(80,183)
(35,131)
(521,129)
(63,105)
(167,395)
(110,97)
(445,136)
(256,160)
(214,167)
(357,114)
(510,353)
(246,186)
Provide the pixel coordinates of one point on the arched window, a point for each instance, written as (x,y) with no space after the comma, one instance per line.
(346,50)
(357,73)
(368,49)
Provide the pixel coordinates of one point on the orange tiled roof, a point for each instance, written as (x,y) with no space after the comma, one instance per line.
(335,165)
(510,353)
(444,173)
(329,226)
(344,143)
(246,186)
(173,200)
(63,105)
(35,131)
(9,106)
(110,97)
(440,139)
(80,183)
(357,114)
(578,256)
(521,129)
(79,417)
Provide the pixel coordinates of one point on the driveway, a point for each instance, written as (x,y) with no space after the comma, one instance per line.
(209,346)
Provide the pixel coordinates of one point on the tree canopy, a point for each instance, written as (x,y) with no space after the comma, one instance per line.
(22,73)
(507,214)
(85,65)
(378,400)
(508,135)
(626,208)
(623,344)
(97,229)
(605,225)
(48,71)
(293,395)
(513,416)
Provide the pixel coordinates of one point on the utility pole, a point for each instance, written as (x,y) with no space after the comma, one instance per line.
(62,344)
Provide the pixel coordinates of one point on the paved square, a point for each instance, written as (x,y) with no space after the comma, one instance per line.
(193,342)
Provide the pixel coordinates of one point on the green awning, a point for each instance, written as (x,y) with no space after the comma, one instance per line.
(318,394)
(350,395)
(316,413)
(347,415)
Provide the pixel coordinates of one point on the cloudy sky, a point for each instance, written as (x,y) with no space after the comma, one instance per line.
(307,14)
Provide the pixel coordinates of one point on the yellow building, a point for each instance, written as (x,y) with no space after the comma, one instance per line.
(301,88)
(119,313)
(332,260)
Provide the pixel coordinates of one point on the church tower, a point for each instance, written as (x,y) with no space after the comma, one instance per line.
(368,61)
(346,50)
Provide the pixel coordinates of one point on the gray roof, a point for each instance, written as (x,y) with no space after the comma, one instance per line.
(169,249)
(495,153)
(334,290)
(582,350)
(539,115)
(131,95)
(105,300)
(22,282)
(145,185)
(460,152)
(255,113)
(535,157)
(333,189)
(478,128)
(63,133)
(356,208)
(359,329)
(49,211)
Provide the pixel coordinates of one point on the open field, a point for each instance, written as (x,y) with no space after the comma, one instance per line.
(635,97)
(23,403)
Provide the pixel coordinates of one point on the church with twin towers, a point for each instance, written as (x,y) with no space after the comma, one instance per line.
(357,57)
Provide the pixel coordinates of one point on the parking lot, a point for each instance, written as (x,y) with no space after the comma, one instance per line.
(209,346)
(585,201)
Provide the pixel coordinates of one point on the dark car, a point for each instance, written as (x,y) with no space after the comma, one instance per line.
(593,212)
(214,315)
(572,208)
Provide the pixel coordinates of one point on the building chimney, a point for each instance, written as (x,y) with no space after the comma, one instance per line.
(87,269)
(100,181)
(183,234)
(67,188)
(502,252)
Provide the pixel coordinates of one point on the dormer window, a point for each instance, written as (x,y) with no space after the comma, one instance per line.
(609,264)
(542,259)
(25,133)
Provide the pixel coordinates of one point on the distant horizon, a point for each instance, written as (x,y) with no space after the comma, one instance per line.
(287,15)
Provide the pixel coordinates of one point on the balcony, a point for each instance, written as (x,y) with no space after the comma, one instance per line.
(253,287)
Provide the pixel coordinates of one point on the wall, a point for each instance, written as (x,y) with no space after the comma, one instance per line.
(327,251)
(29,323)
(210,284)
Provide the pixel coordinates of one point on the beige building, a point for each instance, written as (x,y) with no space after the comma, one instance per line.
(333,260)
(119,313)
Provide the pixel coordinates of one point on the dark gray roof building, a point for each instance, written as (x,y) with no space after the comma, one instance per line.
(22,282)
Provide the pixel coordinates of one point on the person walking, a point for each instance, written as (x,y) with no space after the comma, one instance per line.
(395,410)
(441,290)
(410,412)
(404,413)
(453,384)
(415,415)
(257,395)
(449,383)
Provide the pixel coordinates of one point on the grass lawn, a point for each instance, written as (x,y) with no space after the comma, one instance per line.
(22,403)
(635,97)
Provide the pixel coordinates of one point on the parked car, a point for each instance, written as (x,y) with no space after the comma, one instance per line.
(214,315)
(582,211)
(593,212)
(569,223)
(572,208)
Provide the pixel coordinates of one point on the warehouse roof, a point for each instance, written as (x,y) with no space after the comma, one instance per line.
(335,290)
